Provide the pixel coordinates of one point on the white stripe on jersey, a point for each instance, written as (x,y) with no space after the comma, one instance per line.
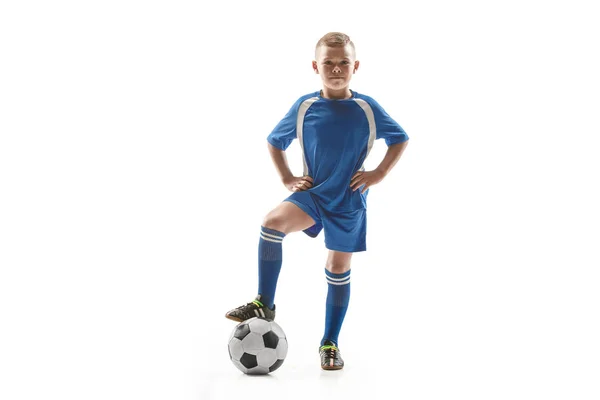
(372,127)
(300,125)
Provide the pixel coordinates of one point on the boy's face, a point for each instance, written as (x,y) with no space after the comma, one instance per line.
(336,65)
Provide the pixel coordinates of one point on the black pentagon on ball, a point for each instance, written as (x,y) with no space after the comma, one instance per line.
(271,339)
(248,360)
(276,365)
(241,331)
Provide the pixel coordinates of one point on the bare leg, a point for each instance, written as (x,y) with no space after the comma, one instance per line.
(287,218)
(338,262)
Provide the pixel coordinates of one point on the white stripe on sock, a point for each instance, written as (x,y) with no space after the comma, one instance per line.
(338,283)
(271,235)
(337,279)
(269,239)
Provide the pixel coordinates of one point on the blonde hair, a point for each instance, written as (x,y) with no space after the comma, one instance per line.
(335,39)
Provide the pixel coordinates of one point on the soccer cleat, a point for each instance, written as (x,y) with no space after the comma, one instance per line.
(331,358)
(250,310)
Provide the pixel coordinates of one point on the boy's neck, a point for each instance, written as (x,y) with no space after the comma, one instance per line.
(342,94)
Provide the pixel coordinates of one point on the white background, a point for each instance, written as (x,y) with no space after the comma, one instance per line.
(134,177)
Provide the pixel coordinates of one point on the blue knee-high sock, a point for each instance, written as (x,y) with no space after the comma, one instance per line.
(269,263)
(338,297)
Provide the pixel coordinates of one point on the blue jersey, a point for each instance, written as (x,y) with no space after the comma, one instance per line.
(336,137)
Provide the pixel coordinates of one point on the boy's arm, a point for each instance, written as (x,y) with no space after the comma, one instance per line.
(281,163)
(366,179)
(393,154)
(292,183)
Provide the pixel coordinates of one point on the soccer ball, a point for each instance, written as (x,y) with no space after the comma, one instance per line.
(257,346)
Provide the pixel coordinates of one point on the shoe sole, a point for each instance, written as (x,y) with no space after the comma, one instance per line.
(233,318)
(236,319)
(328,368)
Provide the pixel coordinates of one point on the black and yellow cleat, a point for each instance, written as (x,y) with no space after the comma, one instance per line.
(253,309)
(331,359)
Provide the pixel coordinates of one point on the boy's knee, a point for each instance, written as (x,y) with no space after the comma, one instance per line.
(275,221)
(337,267)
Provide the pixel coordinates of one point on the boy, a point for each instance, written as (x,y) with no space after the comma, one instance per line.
(336,128)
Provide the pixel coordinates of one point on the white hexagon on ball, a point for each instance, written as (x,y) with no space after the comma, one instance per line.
(235,348)
(282,348)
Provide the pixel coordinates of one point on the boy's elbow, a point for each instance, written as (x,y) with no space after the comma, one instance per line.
(272,147)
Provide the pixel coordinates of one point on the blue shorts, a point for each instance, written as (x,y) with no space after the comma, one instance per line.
(344,230)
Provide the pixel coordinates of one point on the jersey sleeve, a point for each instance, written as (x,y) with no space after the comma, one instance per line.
(285,131)
(387,128)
